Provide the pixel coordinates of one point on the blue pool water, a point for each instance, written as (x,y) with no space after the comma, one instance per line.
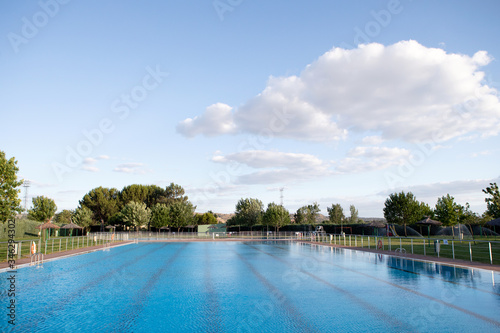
(249,287)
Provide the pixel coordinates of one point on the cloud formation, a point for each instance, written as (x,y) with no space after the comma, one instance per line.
(404,91)
(275,167)
(364,159)
(132,168)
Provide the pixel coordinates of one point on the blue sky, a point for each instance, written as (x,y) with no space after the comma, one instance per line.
(335,101)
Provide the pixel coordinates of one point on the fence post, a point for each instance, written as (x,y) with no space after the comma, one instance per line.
(400,243)
(470,251)
(424,247)
(21,248)
(361,241)
(453,249)
(389,243)
(368,241)
(349,240)
(411,245)
(52,244)
(46,246)
(491,254)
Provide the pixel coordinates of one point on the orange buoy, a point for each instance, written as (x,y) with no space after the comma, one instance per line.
(380,246)
(33,247)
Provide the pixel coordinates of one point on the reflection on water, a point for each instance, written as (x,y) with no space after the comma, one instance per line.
(448,273)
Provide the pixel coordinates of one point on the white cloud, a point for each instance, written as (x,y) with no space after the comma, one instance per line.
(403,91)
(482,153)
(89,160)
(372,140)
(365,159)
(132,168)
(217,119)
(103,157)
(275,167)
(90,168)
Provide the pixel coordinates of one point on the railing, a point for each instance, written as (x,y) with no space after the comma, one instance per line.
(22,248)
(158,236)
(36,259)
(471,250)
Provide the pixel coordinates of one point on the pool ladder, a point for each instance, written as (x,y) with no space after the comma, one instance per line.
(107,246)
(36,259)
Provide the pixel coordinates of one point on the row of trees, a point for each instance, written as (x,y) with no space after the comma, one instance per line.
(250,212)
(139,205)
(404,209)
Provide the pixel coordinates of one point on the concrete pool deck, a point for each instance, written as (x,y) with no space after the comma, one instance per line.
(445,261)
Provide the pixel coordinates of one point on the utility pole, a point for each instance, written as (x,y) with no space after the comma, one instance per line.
(26,184)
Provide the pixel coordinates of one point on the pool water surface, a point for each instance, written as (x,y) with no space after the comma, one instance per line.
(249,287)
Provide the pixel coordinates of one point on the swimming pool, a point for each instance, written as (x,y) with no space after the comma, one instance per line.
(250,287)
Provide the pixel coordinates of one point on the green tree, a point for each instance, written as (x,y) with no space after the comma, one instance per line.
(136,214)
(467,216)
(336,214)
(63,217)
(173,193)
(103,202)
(205,218)
(83,217)
(43,209)
(181,214)
(276,216)
(402,208)
(300,215)
(249,212)
(447,210)
(307,214)
(9,188)
(353,219)
(160,216)
(493,202)
(135,192)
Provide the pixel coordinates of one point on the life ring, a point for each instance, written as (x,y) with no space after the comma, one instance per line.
(33,247)
(380,245)
(113,237)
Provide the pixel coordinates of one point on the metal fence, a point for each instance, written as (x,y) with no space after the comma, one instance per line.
(152,236)
(470,250)
(22,248)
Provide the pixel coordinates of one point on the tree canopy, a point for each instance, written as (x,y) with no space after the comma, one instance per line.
(447,210)
(493,201)
(9,188)
(160,215)
(205,218)
(403,208)
(103,202)
(248,212)
(43,209)
(336,214)
(63,217)
(136,214)
(83,217)
(307,214)
(276,216)
(181,214)
(353,219)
